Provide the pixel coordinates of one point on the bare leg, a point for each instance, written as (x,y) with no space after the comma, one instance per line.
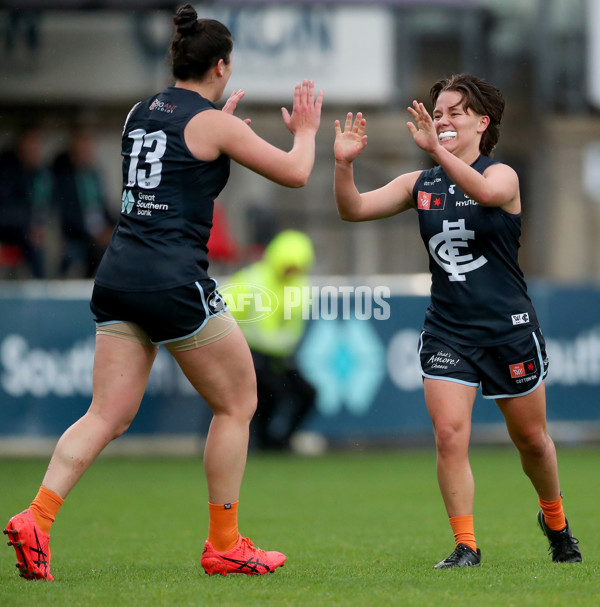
(450,406)
(121,370)
(223,373)
(526,422)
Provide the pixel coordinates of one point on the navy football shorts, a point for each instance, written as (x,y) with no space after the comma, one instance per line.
(513,369)
(168,315)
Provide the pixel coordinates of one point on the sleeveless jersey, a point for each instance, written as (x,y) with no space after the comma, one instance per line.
(168,197)
(478,292)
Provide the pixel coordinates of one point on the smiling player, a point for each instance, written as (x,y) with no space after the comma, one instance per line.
(481,328)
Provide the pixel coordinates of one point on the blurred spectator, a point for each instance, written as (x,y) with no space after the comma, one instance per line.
(78,196)
(257,299)
(24,197)
(21,35)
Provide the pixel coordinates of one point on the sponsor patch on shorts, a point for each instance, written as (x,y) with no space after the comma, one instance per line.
(522,369)
(442,359)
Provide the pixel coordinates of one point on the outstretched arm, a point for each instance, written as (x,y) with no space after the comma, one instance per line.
(391,199)
(212,133)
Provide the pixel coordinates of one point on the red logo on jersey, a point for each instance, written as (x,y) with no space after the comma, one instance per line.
(161,106)
(428,201)
(424,200)
(522,369)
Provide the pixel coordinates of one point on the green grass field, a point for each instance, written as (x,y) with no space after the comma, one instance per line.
(359,528)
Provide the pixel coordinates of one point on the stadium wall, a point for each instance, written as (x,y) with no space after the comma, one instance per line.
(359,350)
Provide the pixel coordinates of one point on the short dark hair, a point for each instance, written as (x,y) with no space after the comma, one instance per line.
(481,97)
(198,44)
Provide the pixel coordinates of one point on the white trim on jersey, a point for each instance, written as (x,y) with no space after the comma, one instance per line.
(128,116)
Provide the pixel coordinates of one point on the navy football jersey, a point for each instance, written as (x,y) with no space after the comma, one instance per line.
(167,200)
(478,292)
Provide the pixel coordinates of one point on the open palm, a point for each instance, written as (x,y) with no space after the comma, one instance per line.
(424,132)
(231,103)
(350,142)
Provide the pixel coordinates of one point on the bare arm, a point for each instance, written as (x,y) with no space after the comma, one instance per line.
(212,133)
(497,187)
(393,198)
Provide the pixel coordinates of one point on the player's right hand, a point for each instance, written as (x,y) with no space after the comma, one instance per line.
(350,142)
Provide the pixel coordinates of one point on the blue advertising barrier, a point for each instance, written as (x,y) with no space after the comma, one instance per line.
(361,355)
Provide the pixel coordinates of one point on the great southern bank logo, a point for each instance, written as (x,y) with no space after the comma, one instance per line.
(145,204)
(127,202)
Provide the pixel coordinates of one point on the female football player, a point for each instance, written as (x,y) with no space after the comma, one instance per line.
(153,287)
(480,329)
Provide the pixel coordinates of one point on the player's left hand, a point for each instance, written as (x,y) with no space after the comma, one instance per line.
(350,142)
(231,103)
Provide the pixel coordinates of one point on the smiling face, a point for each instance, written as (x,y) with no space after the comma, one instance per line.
(459,129)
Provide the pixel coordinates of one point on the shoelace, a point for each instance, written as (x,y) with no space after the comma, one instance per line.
(458,552)
(563,541)
(250,544)
(566,540)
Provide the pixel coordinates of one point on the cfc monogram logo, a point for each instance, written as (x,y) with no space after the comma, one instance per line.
(446,246)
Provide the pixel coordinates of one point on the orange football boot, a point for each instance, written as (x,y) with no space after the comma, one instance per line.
(242,558)
(32,546)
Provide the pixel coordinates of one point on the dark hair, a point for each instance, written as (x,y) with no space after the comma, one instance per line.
(481,97)
(198,44)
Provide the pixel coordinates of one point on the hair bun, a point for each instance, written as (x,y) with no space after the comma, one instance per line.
(186,19)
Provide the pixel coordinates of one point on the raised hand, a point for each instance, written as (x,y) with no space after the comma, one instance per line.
(306,111)
(231,103)
(424,132)
(350,142)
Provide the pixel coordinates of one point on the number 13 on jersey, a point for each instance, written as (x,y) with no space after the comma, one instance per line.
(151,148)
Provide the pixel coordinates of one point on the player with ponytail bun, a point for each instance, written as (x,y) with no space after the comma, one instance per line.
(153,287)
(198,44)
